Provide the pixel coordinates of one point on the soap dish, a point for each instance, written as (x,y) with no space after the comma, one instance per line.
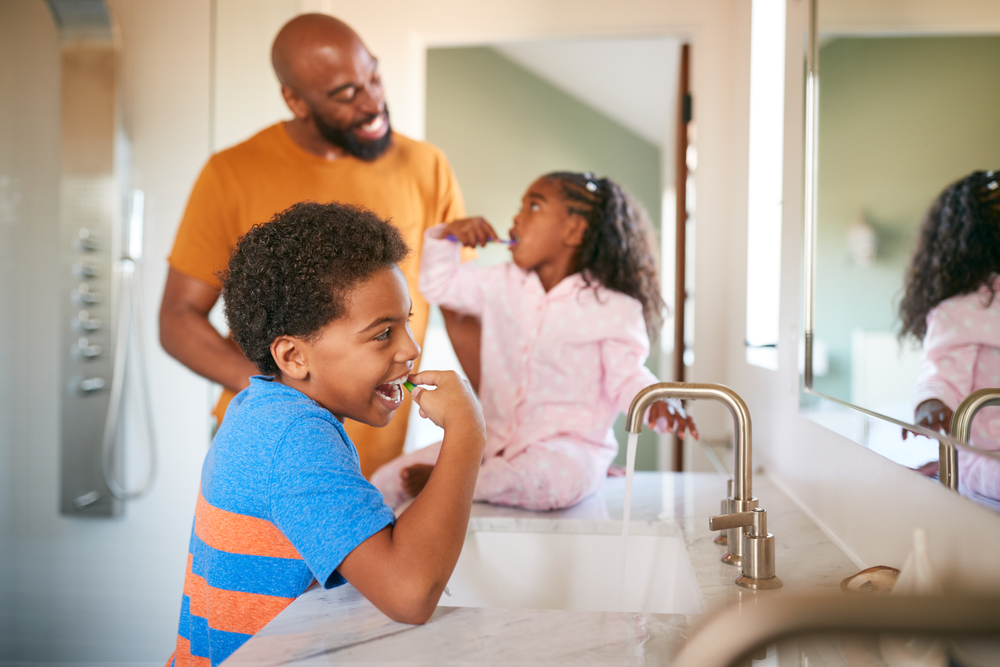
(878,579)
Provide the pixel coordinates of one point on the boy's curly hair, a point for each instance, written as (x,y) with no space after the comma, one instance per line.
(958,249)
(291,275)
(617,248)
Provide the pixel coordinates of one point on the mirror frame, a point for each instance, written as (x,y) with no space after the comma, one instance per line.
(850,421)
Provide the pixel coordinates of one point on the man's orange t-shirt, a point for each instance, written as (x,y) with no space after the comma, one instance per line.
(411,184)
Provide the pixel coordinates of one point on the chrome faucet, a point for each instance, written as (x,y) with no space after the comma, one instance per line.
(750,546)
(961,427)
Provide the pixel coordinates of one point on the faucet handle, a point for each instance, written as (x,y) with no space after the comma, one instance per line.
(757,562)
(754,519)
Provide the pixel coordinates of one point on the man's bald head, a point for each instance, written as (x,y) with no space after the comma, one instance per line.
(305,39)
(330,81)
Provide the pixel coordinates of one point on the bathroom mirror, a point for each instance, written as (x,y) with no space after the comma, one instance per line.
(901,102)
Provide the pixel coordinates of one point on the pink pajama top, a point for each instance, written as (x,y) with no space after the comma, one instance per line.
(961,355)
(555,365)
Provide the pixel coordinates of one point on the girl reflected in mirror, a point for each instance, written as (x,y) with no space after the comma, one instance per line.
(951,305)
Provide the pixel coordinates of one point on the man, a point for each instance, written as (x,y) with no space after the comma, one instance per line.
(338,147)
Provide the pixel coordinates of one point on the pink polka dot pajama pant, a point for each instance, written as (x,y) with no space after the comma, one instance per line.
(544,476)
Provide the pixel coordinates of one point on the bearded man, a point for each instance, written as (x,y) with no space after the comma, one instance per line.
(338,147)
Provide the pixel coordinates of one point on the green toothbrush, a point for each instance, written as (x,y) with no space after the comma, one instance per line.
(409,385)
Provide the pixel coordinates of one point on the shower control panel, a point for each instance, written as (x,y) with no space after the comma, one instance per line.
(88,309)
(92,175)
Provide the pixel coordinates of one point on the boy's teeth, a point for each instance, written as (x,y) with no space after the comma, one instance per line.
(395,392)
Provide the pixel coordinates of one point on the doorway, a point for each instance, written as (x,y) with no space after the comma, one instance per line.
(507,113)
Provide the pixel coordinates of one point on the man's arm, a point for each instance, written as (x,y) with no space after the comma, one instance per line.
(188,336)
(465,332)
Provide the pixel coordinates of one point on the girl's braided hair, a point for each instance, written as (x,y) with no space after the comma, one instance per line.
(617,249)
(958,250)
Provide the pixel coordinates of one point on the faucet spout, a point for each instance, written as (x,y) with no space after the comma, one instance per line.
(961,428)
(742,484)
(751,547)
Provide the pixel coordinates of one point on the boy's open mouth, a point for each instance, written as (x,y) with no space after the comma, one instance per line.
(392,392)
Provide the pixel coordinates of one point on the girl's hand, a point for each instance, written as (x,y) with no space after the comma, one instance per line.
(932,414)
(669,417)
(451,403)
(471,232)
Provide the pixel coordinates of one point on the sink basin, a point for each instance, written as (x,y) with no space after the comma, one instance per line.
(524,570)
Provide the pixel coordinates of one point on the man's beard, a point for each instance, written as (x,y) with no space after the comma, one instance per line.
(346,139)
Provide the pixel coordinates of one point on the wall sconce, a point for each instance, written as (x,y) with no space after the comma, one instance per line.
(862,242)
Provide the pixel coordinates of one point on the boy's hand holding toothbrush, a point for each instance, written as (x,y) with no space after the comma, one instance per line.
(669,417)
(451,404)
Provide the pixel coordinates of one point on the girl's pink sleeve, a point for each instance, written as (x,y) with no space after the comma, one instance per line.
(951,346)
(448,282)
(979,473)
(623,356)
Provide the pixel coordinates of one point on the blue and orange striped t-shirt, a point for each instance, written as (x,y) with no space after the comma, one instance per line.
(282,502)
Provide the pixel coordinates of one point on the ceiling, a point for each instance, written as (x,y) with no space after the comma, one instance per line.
(632,81)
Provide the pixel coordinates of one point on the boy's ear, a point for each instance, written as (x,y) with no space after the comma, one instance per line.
(288,354)
(576,227)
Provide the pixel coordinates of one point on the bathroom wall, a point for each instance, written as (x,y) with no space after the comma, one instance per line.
(94,591)
(865,502)
(29,167)
(930,106)
(502,126)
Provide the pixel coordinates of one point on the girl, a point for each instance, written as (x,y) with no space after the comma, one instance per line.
(565,331)
(950,304)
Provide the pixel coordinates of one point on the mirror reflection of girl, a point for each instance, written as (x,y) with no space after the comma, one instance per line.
(951,305)
(565,331)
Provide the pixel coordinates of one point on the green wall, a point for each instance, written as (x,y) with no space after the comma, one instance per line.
(899,119)
(502,127)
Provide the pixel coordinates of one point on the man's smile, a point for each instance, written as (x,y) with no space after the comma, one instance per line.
(373,129)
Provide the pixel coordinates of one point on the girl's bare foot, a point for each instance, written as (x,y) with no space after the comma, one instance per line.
(415,477)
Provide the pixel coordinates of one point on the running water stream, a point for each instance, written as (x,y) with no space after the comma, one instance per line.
(633,439)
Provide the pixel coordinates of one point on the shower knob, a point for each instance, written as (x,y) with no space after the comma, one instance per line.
(84,322)
(87,385)
(83,270)
(84,351)
(84,297)
(85,242)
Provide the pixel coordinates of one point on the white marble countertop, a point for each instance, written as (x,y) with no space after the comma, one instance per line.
(339,626)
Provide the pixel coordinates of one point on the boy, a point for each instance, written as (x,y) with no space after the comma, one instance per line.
(316,300)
